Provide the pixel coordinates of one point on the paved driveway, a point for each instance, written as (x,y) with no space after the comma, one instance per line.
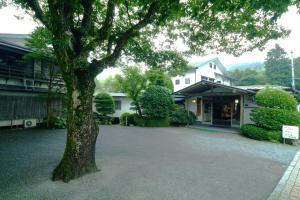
(145,163)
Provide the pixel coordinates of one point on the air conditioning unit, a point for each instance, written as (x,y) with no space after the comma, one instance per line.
(28,123)
(28,83)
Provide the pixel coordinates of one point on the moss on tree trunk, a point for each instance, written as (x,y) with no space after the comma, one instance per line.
(79,155)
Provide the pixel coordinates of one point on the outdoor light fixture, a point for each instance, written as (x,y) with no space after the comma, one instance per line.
(194,100)
(236,101)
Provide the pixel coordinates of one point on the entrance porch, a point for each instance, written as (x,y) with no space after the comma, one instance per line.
(216,104)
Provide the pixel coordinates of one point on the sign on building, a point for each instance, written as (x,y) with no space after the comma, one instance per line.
(290,132)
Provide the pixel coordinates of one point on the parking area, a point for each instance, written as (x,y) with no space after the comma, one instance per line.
(145,163)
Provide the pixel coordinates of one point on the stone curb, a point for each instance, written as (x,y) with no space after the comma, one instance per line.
(276,194)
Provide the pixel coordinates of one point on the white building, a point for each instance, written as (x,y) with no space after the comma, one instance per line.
(211,70)
(122,104)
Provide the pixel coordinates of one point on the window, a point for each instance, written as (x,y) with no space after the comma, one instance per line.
(210,65)
(187,81)
(215,66)
(118,104)
(177,82)
(204,78)
(211,79)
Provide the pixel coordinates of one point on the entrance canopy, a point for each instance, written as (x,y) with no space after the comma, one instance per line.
(208,88)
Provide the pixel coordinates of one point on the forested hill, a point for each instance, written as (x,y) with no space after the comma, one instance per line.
(243,66)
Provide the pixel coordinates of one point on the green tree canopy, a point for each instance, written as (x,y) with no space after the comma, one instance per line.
(133,82)
(110,84)
(158,77)
(277,67)
(248,77)
(157,102)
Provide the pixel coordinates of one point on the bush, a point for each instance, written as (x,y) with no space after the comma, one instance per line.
(254,132)
(162,122)
(257,133)
(104,105)
(58,122)
(275,136)
(157,102)
(126,116)
(276,98)
(138,120)
(180,116)
(192,118)
(273,119)
(102,119)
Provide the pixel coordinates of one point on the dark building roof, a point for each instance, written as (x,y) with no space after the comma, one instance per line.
(17,41)
(203,86)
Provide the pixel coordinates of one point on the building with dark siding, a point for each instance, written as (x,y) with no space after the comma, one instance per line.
(23,84)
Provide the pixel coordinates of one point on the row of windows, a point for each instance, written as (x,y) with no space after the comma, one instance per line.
(203,78)
(212,66)
(187,81)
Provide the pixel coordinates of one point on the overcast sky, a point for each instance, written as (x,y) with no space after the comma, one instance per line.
(290,20)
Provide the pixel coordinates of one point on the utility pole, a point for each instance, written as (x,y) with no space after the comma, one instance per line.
(293,71)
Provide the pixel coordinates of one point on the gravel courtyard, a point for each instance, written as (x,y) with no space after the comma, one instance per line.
(144,163)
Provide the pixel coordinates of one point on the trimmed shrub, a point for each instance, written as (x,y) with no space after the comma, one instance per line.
(162,122)
(254,132)
(157,102)
(192,118)
(126,116)
(275,136)
(179,116)
(276,98)
(104,106)
(58,122)
(102,119)
(138,120)
(258,133)
(273,119)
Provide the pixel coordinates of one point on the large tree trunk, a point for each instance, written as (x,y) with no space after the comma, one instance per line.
(79,156)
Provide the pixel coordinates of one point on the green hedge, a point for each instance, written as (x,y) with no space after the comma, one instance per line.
(254,132)
(192,118)
(276,98)
(273,119)
(139,121)
(130,120)
(258,133)
(160,122)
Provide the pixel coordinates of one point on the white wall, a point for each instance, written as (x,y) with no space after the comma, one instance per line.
(204,70)
(125,106)
(190,75)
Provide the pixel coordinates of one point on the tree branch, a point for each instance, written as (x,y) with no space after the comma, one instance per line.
(86,23)
(35,6)
(106,27)
(125,36)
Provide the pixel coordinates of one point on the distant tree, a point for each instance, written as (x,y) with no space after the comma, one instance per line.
(297,72)
(133,82)
(110,84)
(104,106)
(158,77)
(248,77)
(277,67)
